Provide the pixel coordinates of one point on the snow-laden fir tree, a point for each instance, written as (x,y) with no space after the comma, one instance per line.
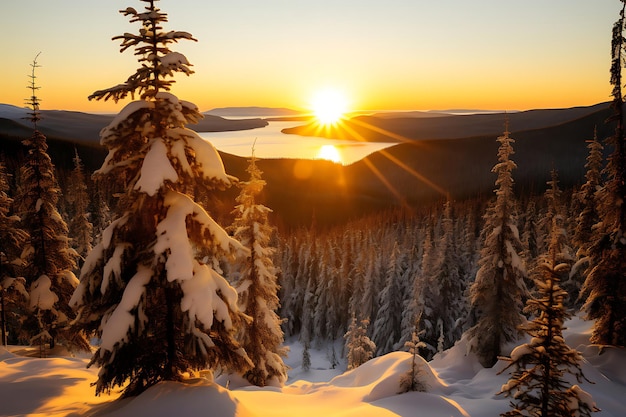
(359,346)
(13,238)
(587,210)
(604,289)
(561,251)
(150,289)
(51,261)
(80,227)
(427,297)
(588,215)
(257,286)
(325,277)
(498,292)
(450,306)
(538,384)
(411,294)
(388,324)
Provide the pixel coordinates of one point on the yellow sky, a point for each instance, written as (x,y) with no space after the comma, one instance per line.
(397,54)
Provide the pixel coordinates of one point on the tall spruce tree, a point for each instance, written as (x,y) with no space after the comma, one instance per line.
(587,210)
(558,247)
(257,286)
(497,295)
(149,289)
(588,215)
(80,227)
(13,238)
(605,285)
(388,325)
(51,261)
(538,385)
(451,308)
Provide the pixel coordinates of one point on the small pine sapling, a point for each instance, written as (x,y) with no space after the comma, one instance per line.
(359,346)
(412,380)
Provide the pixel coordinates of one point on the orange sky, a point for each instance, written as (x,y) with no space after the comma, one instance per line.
(398,54)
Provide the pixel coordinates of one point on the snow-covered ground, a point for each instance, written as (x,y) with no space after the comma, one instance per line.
(458,386)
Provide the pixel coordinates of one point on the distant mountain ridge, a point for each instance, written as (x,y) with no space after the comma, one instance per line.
(430,166)
(85,128)
(253,111)
(401,128)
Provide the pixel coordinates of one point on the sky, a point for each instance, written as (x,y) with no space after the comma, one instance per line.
(383,55)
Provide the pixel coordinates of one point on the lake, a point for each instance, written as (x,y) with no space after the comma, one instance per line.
(272,143)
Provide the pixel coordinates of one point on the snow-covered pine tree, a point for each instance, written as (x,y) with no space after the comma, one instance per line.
(411,380)
(51,261)
(588,215)
(322,295)
(410,294)
(359,346)
(559,243)
(605,285)
(257,285)
(529,233)
(309,306)
(388,324)
(149,289)
(451,308)
(498,293)
(13,238)
(538,385)
(428,296)
(80,227)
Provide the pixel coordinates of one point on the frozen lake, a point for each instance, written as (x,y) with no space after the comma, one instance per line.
(271,143)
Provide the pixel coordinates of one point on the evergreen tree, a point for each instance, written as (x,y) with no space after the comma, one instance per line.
(80,227)
(559,246)
(588,215)
(529,233)
(411,380)
(51,261)
(359,346)
(151,288)
(538,385)
(411,294)
(388,324)
(450,306)
(605,286)
(322,295)
(428,296)
(497,295)
(13,294)
(257,286)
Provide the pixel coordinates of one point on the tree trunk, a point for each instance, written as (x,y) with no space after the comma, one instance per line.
(170,336)
(3,319)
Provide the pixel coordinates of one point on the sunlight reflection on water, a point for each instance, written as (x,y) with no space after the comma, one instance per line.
(271,143)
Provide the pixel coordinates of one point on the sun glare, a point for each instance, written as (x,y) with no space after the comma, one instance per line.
(329,106)
(330,153)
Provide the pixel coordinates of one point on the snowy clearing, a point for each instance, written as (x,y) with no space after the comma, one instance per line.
(458,387)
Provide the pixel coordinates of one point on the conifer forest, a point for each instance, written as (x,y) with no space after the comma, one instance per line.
(147,267)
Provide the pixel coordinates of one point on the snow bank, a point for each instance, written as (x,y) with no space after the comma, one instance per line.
(199,397)
(382,375)
(458,387)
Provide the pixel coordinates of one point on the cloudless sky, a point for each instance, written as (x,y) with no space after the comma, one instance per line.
(391,54)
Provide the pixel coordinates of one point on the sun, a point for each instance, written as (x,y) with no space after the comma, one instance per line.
(329,106)
(330,153)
